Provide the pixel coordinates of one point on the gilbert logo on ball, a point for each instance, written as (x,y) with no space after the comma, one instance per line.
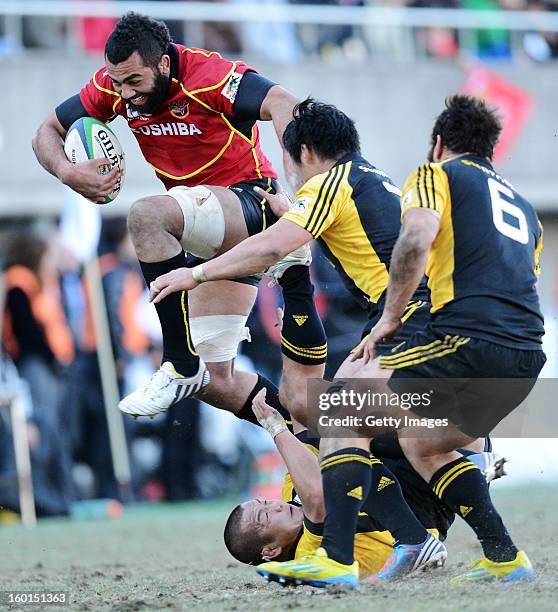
(90,138)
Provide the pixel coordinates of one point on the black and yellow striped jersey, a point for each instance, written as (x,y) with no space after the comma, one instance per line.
(353,211)
(483,264)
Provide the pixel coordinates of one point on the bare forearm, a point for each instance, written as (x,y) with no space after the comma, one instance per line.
(304,469)
(48,146)
(406,271)
(251,256)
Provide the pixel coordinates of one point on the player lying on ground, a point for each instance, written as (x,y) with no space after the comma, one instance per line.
(352,209)
(275,530)
(194,115)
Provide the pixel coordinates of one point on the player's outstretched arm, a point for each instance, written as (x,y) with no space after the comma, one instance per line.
(251,256)
(408,263)
(301,462)
(48,145)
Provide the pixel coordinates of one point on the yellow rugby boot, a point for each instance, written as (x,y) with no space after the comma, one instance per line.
(485,570)
(315,570)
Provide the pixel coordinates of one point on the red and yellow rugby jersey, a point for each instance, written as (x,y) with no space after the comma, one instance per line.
(193,138)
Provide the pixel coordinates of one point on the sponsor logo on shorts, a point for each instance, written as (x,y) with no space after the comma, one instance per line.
(231,87)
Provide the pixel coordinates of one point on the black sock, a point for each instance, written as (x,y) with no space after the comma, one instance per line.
(346,476)
(271,397)
(387,446)
(303,337)
(173,316)
(386,504)
(461,485)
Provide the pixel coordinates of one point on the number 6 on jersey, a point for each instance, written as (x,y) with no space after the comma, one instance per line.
(520,232)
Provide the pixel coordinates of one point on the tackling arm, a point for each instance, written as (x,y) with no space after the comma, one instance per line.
(251,256)
(408,260)
(258,252)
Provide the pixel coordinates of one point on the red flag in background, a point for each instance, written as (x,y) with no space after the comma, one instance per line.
(92,32)
(513,104)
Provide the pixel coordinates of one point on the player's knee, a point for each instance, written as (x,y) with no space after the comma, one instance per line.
(411,449)
(221,374)
(203,220)
(299,411)
(424,450)
(216,338)
(294,400)
(142,219)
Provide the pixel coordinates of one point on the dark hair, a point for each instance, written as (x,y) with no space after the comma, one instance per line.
(244,545)
(136,32)
(468,125)
(323,128)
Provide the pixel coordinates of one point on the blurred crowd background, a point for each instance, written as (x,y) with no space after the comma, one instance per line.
(192,451)
(48,339)
(287,42)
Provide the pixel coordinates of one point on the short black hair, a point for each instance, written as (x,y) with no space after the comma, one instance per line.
(323,128)
(136,32)
(245,546)
(468,125)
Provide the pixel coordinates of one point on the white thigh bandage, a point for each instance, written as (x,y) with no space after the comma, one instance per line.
(216,337)
(204,223)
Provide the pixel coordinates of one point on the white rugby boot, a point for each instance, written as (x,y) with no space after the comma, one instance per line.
(164,388)
(299,257)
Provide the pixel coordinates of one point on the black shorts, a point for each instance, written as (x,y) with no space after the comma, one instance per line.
(257,215)
(415,319)
(492,379)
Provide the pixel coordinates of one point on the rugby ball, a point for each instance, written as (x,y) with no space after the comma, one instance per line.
(90,138)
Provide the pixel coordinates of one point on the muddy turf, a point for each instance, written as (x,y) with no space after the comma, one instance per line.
(173,557)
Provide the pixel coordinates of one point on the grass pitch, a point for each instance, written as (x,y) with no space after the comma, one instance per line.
(172,557)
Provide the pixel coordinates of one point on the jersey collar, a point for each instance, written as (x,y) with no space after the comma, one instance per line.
(347,158)
(172,52)
(482,161)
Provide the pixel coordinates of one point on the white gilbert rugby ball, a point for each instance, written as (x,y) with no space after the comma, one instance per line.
(90,138)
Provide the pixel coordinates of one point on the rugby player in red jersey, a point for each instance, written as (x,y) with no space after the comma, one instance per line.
(194,116)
